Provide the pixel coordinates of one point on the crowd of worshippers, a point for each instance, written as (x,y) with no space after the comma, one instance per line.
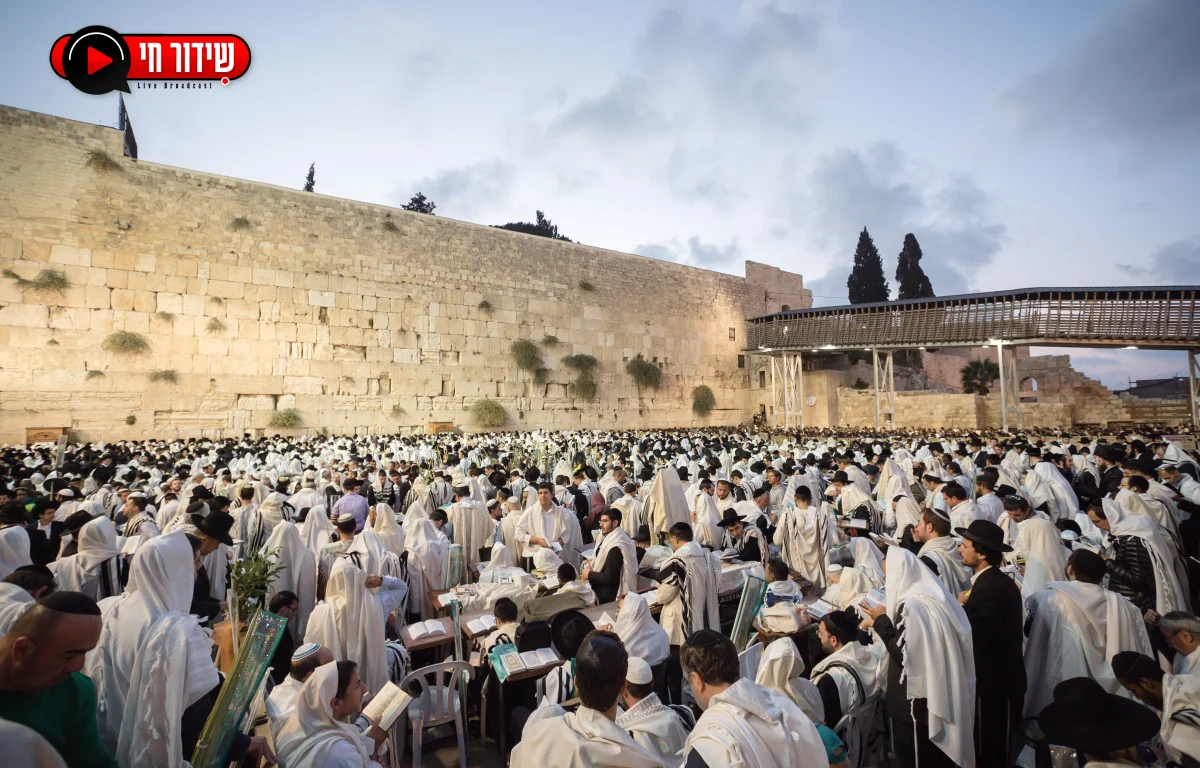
(979,600)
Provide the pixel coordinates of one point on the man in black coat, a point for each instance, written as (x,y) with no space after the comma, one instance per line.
(1108,460)
(993,606)
(45,536)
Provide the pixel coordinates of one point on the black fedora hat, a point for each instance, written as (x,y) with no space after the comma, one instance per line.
(729,517)
(840,477)
(986,534)
(1085,717)
(215,525)
(567,632)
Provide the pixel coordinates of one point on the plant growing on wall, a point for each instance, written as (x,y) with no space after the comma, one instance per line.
(251,578)
(526,355)
(549,340)
(584,285)
(241,222)
(485,306)
(584,385)
(390,226)
(131,419)
(47,281)
(94,375)
(215,325)
(168,376)
(978,375)
(488,414)
(703,401)
(288,418)
(126,343)
(165,316)
(102,161)
(645,375)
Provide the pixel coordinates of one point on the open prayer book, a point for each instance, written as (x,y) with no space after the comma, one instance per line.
(485,623)
(422,629)
(884,539)
(539,658)
(605,618)
(818,610)
(387,706)
(588,554)
(875,598)
(551,581)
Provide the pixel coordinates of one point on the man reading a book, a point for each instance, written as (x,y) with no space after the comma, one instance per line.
(281,703)
(590,735)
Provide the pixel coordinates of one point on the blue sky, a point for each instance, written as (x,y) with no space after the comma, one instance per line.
(1024,143)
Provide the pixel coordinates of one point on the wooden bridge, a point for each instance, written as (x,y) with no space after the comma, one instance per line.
(1166,317)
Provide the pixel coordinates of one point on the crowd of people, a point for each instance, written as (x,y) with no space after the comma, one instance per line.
(931,598)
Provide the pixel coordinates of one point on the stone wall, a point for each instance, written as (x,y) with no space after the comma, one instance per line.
(364,318)
(856,408)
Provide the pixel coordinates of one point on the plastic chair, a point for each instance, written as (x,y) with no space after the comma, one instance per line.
(748,661)
(438,704)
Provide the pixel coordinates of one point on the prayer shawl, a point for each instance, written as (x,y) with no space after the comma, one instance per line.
(14,601)
(619,540)
(804,538)
(705,521)
(416,511)
(96,569)
(1083,466)
(472,525)
(963,515)
(1180,731)
(780,669)
(689,582)
(851,585)
(387,530)
(943,551)
(1169,595)
(939,662)
(299,574)
(311,735)
(1039,542)
(249,531)
(631,514)
(1074,631)
(141,524)
(427,553)
(1176,456)
(584,738)
(349,622)
(1139,504)
(166,514)
(26,748)
(859,479)
(1065,503)
(642,636)
(657,728)
(866,662)
(172,671)
(745,726)
(667,504)
(564,528)
(893,482)
(868,559)
(851,502)
(908,513)
(316,530)
(503,569)
(161,578)
(1040,494)
(750,533)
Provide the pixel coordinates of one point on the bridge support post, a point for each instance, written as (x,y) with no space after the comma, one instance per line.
(791,370)
(774,396)
(1194,385)
(1010,389)
(885,379)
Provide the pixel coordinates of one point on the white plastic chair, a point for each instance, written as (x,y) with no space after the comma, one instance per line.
(438,704)
(749,660)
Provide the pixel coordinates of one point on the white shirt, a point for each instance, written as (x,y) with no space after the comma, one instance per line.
(281,703)
(977,574)
(1186,665)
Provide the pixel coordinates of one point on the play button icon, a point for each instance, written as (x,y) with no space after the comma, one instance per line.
(96,60)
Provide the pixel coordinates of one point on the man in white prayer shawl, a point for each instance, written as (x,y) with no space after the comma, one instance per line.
(472,524)
(281,701)
(590,736)
(613,573)
(631,510)
(848,679)
(546,524)
(1074,629)
(689,580)
(316,530)
(350,622)
(805,535)
(298,574)
(868,559)
(1040,545)
(931,665)
(95,569)
(1142,565)
(1175,698)
(316,735)
(658,728)
(427,555)
(706,520)
(743,723)
(667,504)
(939,551)
(1064,504)
(383,522)
(641,635)
(780,670)
(962,509)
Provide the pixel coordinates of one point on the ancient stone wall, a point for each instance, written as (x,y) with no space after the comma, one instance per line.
(255,299)
(856,408)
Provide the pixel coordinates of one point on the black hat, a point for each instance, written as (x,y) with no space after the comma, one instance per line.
(762,490)
(841,477)
(986,534)
(1108,453)
(643,533)
(729,517)
(567,632)
(77,520)
(1085,717)
(215,526)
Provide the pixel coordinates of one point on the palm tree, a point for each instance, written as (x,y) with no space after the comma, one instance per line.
(978,375)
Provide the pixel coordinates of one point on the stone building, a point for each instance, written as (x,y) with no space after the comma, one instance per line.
(254,299)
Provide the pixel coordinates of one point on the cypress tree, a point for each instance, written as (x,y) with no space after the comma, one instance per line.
(911,281)
(866,282)
(310,184)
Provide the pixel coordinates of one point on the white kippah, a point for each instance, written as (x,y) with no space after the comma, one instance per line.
(304,651)
(638,672)
(834,568)
(346,517)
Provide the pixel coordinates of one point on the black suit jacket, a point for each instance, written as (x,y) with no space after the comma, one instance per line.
(43,549)
(1110,481)
(994,610)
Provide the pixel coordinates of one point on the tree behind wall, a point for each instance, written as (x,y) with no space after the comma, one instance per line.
(542,228)
(866,282)
(310,184)
(911,281)
(420,204)
(978,375)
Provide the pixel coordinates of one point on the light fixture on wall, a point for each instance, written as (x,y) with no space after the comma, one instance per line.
(1131,346)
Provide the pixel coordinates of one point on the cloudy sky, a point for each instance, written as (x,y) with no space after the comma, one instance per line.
(1024,143)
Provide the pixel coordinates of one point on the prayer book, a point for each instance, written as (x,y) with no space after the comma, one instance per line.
(856,522)
(551,581)
(556,546)
(884,539)
(422,629)
(539,658)
(606,619)
(387,706)
(511,663)
(588,554)
(485,623)
(875,597)
(818,610)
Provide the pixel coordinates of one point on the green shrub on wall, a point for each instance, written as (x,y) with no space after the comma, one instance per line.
(703,401)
